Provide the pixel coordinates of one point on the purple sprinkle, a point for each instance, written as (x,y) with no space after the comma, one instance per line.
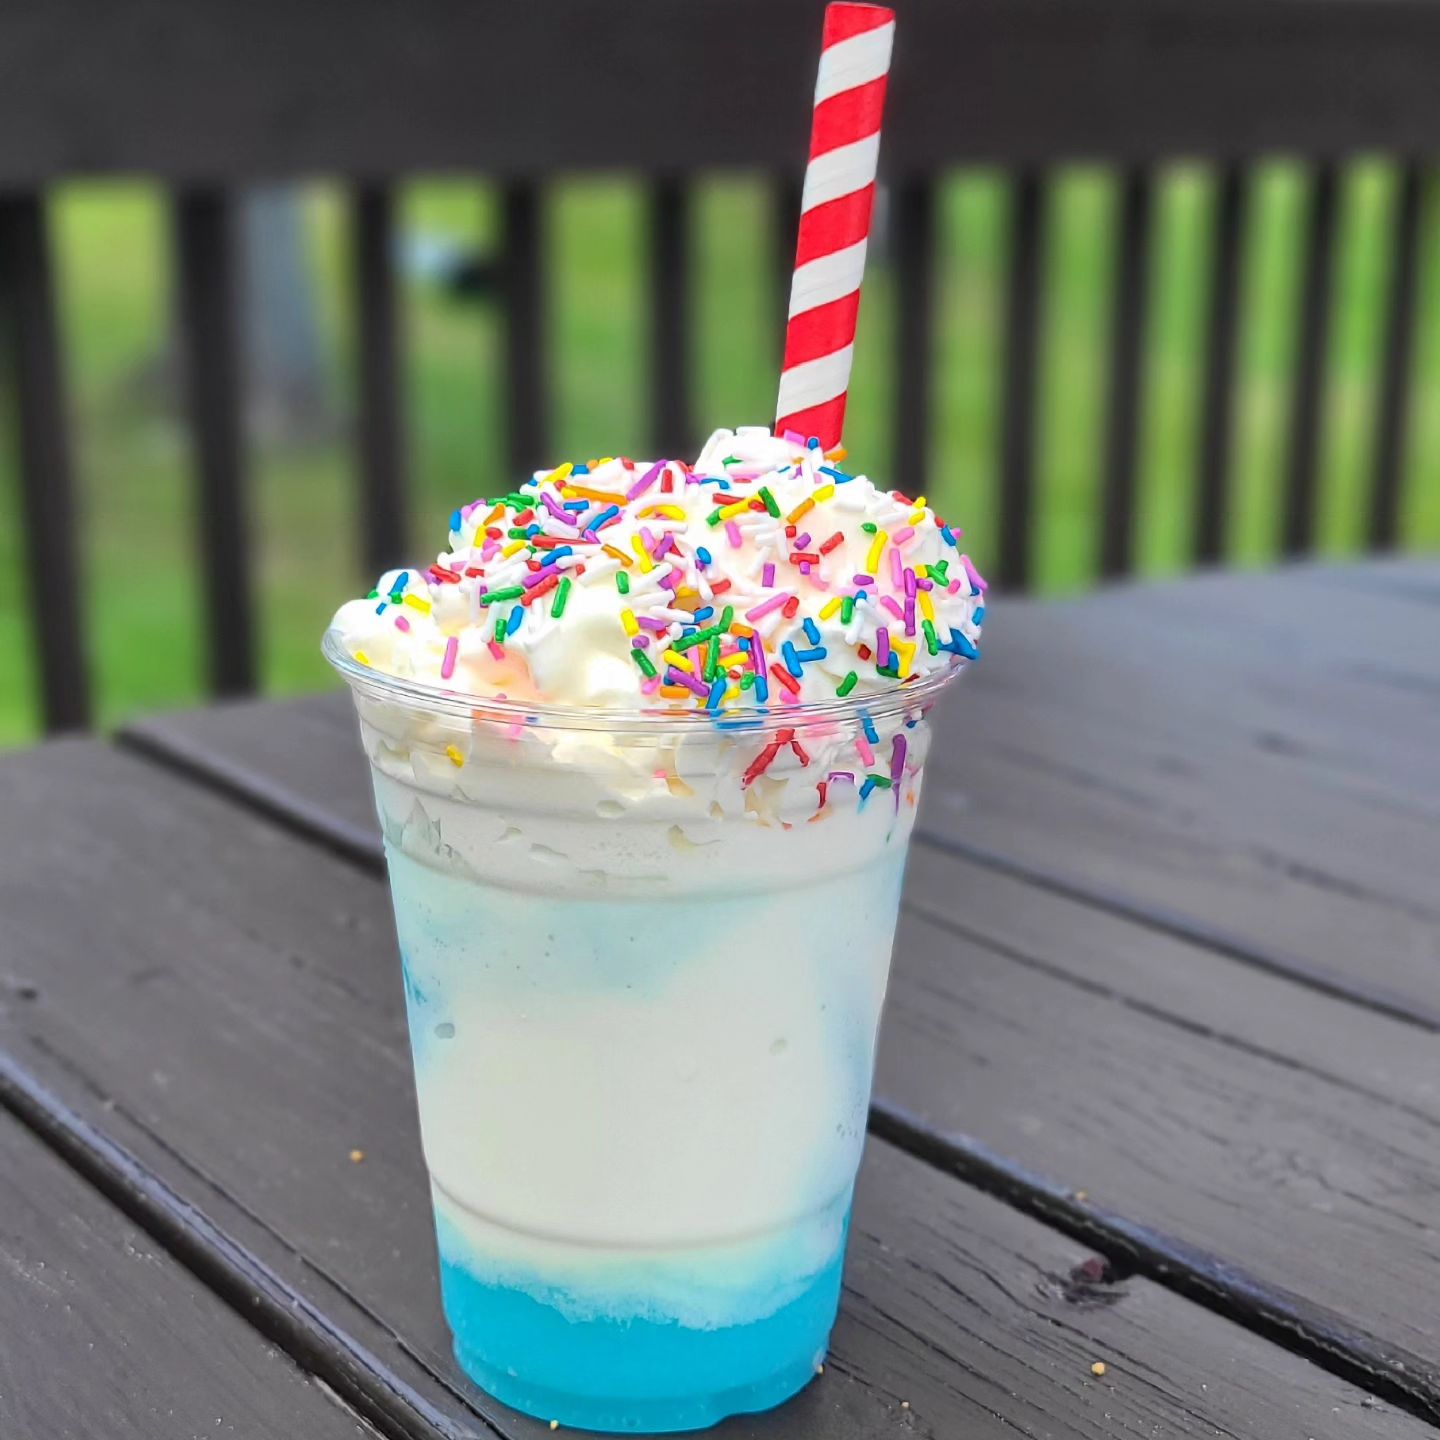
(679,677)
(921,584)
(643,641)
(897,758)
(882,645)
(862,579)
(670,580)
(767,576)
(666,545)
(646,480)
(910,615)
(556,510)
(651,622)
(910,582)
(838,775)
(544,573)
(802,542)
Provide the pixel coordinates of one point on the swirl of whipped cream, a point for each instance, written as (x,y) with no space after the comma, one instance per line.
(763,575)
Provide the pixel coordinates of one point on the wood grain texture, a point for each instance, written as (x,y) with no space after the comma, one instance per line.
(960,1316)
(106,1334)
(227,93)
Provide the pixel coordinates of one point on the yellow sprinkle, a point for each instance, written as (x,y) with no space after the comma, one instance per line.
(918,516)
(638,545)
(513,548)
(838,453)
(620,555)
(919,502)
(1098,1368)
(906,651)
(687,595)
(608,460)
(927,605)
(671,512)
(363,658)
(583,492)
(455,757)
(728,512)
(356,1156)
(680,662)
(732,657)
(628,620)
(872,560)
(558,474)
(416,603)
(803,508)
(824,493)
(829,607)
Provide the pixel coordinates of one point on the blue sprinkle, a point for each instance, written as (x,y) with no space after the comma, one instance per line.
(871,733)
(792,660)
(455,520)
(581,470)
(717,690)
(949,537)
(743,641)
(517,614)
(532,529)
(806,656)
(762,689)
(813,442)
(812,632)
(603,516)
(576,505)
(704,612)
(867,787)
(560,550)
(703,555)
(838,476)
(961,646)
(401,581)
(380,608)
(979,614)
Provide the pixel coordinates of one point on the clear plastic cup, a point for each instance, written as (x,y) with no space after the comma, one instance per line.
(644,960)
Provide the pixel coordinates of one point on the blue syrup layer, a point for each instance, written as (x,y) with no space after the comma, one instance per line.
(639,1374)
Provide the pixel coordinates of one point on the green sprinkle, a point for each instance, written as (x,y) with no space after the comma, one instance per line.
(868,527)
(747,680)
(890,671)
(622,582)
(712,657)
(769,499)
(508,592)
(698,638)
(562,594)
(882,781)
(501,625)
(847,684)
(373,595)
(726,620)
(515,533)
(932,643)
(713,519)
(938,571)
(847,609)
(643,661)
(731,460)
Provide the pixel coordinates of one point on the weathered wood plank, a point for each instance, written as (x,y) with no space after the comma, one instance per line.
(105,1333)
(977,1317)
(88,87)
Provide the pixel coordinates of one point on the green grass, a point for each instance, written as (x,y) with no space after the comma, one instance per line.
(134,467)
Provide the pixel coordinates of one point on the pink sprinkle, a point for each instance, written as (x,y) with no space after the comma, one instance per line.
(882,644)
(761,610)
(645,482)
(401,623)
(648,540)
(670,580)
(498,651)
(975,577)
(732,534)
(650,686)
(903,536)
(794,437)
(892,607)
(897,570)
(767,575)
(862,746)
(447,665)
(489,549)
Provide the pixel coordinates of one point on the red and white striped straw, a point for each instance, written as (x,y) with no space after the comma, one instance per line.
(834,220)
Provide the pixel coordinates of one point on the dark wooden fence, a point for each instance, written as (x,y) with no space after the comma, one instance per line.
(209,96)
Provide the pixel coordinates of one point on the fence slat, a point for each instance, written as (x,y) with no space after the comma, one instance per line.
(785,194)
(1298,532)
(525,377)
(914,232)
(379,428)
(27,312)
(206,267)
(668,222)
(1017,424)
(1125,400)
(1392,413)
(1217,405)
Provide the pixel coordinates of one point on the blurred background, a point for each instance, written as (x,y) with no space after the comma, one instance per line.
(113,272)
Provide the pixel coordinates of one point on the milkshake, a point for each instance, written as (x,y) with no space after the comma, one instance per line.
(647,741)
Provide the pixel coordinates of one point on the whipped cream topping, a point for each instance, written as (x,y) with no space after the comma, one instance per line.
(763,575)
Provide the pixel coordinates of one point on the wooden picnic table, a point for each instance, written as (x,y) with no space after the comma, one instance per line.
(1159,1083)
